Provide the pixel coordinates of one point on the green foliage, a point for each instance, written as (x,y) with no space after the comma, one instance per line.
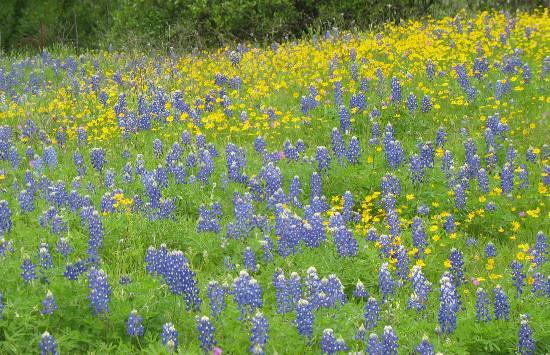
(190,24)
(8,15)
(38,23)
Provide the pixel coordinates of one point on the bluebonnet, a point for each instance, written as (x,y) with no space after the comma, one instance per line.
(357,102)
(374,346)
(267,247)
(294,289)
(523,177)
(338,93)
(540,250)
(518,277)
(38,164)
(480,67)
(423,210)
(375,133)
(490,138)
(206,165)
(460,196)
(100,291)
(483,180)
(244,217)
(1,305)
(157,148)
(273,178)
(125,280)
(161,176)
(507,179)
(393,222)
(412,102)
(247,293)
(140,164)
(316,186)
(288,228)
(526,343)
(427,154)
(304,318)
(385,245)
(5,218)
(282,294)
(323,158)
(95,240)
(134,324)
(347,212)
(216,295)
(174,269)
(82,136)
(491,159)
(354,151)
(110,178)
(295,192)
(290,151)
(372,234)
(97,156)
(361,333)
(345,117)
(426,104)
(236,162)
(402,263)
(78,161)
(338,145)
(449,305)
(421,289)
(483,313)
(259,144)
(179,173)
(395,90)
(416,169)
(501,304)
(394,153)
(389,341)
(331,345)
(419,236)
(425,348)
(209,218)
(259,334)
(539,286)
(26,200)
(332,292)
(490,250)
(372,313)
(28,270)
(430,69)
(360,291)
(72,271)
(249,260)
(449,224)
(345,244)
(447,163)
(206,333)
(457,266)
(390,185)
(47,344)
(169,337)
(50,157)
(48,304)
(441,137)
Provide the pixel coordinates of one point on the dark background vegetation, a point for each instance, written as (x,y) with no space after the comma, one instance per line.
(188,24)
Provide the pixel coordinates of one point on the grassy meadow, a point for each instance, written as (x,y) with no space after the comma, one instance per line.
(392,183)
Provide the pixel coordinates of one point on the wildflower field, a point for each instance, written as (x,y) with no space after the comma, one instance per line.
(382,193)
